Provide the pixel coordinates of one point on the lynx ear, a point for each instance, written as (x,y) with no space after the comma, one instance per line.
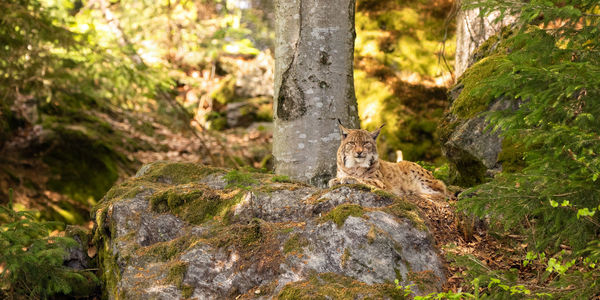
(343,129)
(375,133)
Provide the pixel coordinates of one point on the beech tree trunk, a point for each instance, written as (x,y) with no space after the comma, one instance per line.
(471,31)
(314,86)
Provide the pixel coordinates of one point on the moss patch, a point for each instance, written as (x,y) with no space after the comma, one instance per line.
(345,257)
(240,179)
(175,277)
(339,214)
(335,286)
(176,173)
(473,100)
(281,178)
(408,211)
(295,244)
(511,156)
(193,203)
(165,251)
(255,243)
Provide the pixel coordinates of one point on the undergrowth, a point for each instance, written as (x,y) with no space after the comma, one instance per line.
(552,71)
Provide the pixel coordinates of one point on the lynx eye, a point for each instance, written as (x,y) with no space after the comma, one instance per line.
(368,145)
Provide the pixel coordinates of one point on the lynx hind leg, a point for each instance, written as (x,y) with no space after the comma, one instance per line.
(432,187)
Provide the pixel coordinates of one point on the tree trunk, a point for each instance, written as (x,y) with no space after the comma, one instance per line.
(471,31)
(314,86)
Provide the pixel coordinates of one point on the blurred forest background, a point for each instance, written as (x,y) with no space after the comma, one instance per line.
(90,90)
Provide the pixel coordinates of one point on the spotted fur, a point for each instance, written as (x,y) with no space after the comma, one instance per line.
(358,162)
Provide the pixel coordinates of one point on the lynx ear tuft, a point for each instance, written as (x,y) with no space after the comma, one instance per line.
(375,133)
(343,129)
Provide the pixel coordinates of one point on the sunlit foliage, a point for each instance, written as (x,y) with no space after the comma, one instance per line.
(550,64)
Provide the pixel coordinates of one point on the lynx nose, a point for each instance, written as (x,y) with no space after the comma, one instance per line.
(359,152)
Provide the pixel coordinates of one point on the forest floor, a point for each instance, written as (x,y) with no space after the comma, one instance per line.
(467,241)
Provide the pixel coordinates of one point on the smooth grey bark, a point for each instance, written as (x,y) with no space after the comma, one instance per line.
(314,86)
(471,31)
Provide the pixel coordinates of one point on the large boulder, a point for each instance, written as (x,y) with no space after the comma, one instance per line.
(183,230)
(476,151)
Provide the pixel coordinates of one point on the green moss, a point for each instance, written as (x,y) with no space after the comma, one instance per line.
(281,178)
(165,251)
(384,194)
(336,286)
(339,214)
(110,272)
(187,291)
(406,210)
(195,204)
(398,275)
(371,235)
(176,275)
(424,280)
(511,156)
(471,100)
(239,179)
(295,244)
(176,172)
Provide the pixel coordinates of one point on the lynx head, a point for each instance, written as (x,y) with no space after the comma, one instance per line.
(358,148)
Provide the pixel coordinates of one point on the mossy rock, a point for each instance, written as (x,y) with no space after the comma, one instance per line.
(175,228)
(476,152)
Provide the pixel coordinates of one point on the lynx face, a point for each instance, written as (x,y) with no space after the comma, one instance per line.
(358,148)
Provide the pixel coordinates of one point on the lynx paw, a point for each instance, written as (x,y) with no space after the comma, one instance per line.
(348,180)
(333,182)
(343,180)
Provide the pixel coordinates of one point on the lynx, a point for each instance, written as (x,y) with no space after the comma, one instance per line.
(358,162)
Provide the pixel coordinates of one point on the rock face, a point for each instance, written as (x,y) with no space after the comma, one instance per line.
(180,230)
(474,150)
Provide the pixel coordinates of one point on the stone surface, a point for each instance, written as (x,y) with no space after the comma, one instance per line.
(470,145)
(475,138)
(262,234)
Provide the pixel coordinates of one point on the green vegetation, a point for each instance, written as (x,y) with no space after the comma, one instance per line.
(176,275)
(193,204)
(240,179)
(399,78)
(281,179)
(295,243)
(548,191)
(32,260)
(339,214)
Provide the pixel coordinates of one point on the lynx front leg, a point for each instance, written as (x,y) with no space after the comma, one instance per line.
(374,182)
(353,180)
(343,180)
